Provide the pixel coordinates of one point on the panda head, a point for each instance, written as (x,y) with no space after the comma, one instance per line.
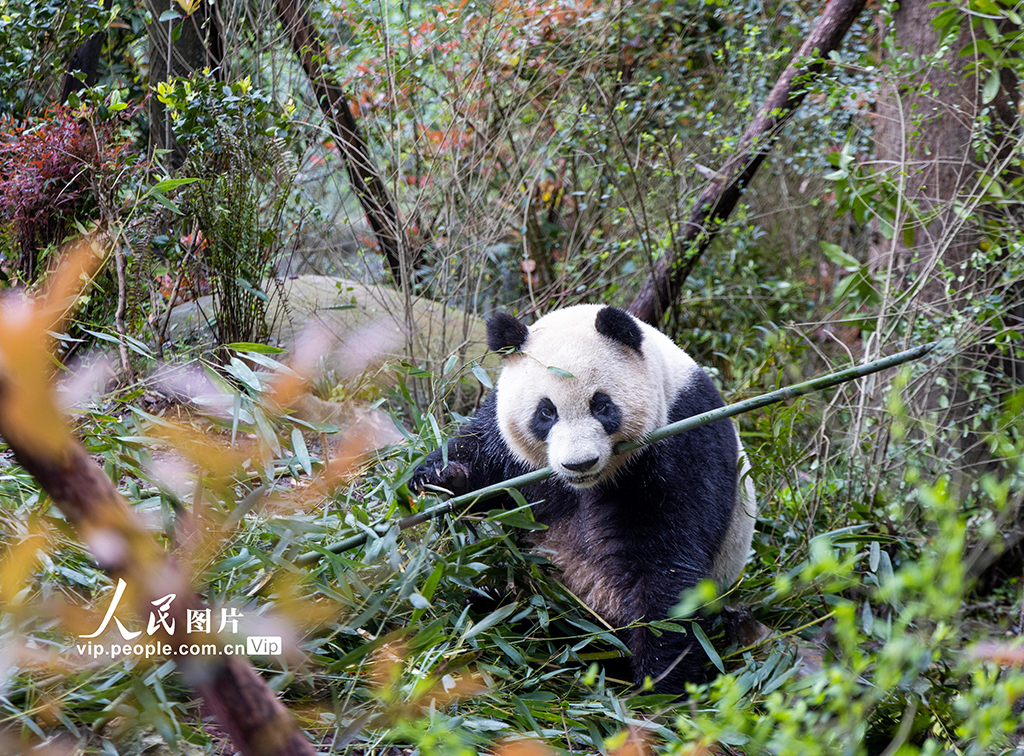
(577,382)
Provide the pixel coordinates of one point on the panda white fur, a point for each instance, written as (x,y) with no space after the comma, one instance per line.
(628,532)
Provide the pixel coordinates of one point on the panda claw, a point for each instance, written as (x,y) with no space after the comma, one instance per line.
(451,480)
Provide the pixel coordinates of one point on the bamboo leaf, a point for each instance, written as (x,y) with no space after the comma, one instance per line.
(248,346)
(492,619)
(481,375)
(167,184)
(705,642)
(301,452)
(561,373)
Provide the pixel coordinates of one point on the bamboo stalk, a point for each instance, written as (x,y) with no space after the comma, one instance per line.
(672,429)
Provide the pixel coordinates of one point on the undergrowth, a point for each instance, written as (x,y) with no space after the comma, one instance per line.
(451,637)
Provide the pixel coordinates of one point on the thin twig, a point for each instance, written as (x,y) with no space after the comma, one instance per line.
(161,333)
(122,307)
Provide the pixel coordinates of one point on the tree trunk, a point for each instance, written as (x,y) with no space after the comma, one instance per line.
(363,173)
(179,47)
(935,144)
(86,60)
(927,130)
(923,132)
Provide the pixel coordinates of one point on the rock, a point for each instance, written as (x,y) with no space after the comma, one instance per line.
(347,310)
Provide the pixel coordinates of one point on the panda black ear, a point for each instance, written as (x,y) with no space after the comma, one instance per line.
(618,325)
(505,332)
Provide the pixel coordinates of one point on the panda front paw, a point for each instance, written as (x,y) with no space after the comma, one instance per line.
(453,479)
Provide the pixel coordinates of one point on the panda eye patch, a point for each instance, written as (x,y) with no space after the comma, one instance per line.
(544,417)
(606,412)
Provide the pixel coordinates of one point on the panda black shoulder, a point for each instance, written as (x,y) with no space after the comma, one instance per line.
(716,444)
(699,394)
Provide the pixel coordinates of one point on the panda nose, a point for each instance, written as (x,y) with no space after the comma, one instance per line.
(581,466)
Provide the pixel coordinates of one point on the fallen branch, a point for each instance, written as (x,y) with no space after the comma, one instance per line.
(662,286)
(672,429)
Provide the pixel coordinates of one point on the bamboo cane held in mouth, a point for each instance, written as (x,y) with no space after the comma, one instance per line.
(672,429)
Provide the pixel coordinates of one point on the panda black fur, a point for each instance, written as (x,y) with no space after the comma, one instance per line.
(629,532)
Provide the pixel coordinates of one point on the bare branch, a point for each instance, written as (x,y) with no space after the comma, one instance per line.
(662,286)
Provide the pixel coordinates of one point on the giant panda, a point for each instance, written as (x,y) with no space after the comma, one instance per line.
(628,532)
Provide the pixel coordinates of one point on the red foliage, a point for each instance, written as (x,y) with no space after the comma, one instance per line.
(47,172)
